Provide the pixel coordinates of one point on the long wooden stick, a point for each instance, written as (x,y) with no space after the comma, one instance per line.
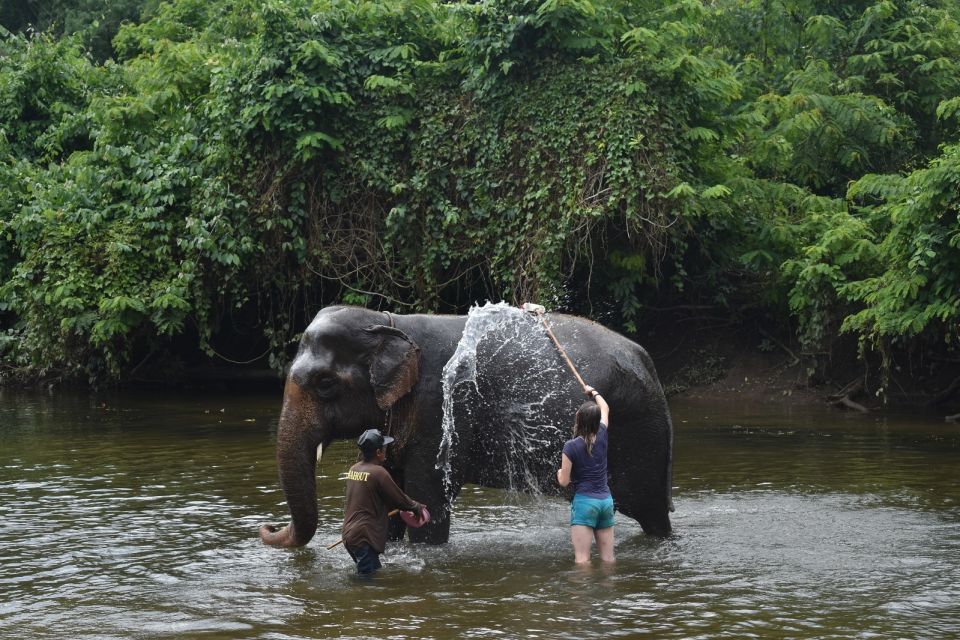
(340,541)
(562,352)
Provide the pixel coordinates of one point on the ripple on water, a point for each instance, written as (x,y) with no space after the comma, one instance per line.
(147,529)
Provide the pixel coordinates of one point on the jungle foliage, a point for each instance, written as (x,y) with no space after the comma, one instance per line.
(232,165)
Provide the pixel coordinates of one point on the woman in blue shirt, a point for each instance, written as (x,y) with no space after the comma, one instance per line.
(584,463)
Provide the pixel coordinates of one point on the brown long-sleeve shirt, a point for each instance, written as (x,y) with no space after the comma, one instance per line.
(371,494)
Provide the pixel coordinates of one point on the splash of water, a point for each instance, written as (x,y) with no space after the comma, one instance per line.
(507,401)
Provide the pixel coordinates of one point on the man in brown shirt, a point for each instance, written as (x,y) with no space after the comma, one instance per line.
(371,493)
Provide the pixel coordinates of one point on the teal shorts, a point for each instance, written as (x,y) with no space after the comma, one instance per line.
(596,513)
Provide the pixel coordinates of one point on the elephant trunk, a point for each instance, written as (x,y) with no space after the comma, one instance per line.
(297,443)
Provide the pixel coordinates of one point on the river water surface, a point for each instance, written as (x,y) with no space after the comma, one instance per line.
(136,517)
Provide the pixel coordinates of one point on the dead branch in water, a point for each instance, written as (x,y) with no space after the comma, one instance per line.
(842,398)
(769,337)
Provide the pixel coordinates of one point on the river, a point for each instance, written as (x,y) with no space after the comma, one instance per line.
(135,516)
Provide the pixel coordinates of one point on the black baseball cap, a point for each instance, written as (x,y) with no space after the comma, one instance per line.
(372,439)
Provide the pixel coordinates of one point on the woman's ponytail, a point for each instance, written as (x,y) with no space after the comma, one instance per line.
(587,423)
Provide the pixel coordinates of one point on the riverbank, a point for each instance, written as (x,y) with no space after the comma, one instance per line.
(720,362)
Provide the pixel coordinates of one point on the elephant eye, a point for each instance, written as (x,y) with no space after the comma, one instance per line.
(325,381)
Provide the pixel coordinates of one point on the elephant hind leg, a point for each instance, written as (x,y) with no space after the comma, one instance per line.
(653,519)
(656,524)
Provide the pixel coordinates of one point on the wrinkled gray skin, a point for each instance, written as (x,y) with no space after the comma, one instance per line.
(353,368)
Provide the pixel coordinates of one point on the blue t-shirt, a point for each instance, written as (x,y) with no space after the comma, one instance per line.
(589,474)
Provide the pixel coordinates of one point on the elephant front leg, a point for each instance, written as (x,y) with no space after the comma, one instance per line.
(396,527)
(424,484)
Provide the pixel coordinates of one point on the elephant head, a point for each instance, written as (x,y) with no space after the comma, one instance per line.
(351,367)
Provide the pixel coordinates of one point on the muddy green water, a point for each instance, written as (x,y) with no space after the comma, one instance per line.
(136,517)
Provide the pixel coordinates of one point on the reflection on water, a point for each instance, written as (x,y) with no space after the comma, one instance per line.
(137,517)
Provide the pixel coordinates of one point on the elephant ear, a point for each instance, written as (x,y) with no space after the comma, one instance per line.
(395,366)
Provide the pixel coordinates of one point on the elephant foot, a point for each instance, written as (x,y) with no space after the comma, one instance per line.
(284,537)
(656,524)
(653,521)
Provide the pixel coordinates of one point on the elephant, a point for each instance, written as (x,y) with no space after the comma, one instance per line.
(358,368)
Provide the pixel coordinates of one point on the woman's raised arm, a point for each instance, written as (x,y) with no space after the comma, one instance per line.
(604,407)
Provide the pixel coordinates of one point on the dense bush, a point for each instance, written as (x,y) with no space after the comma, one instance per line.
(245,162)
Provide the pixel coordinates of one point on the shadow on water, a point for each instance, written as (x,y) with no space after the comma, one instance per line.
(136,517)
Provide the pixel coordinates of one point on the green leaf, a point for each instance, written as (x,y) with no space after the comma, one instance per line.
(948,108)
(681,191)
(716,191)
